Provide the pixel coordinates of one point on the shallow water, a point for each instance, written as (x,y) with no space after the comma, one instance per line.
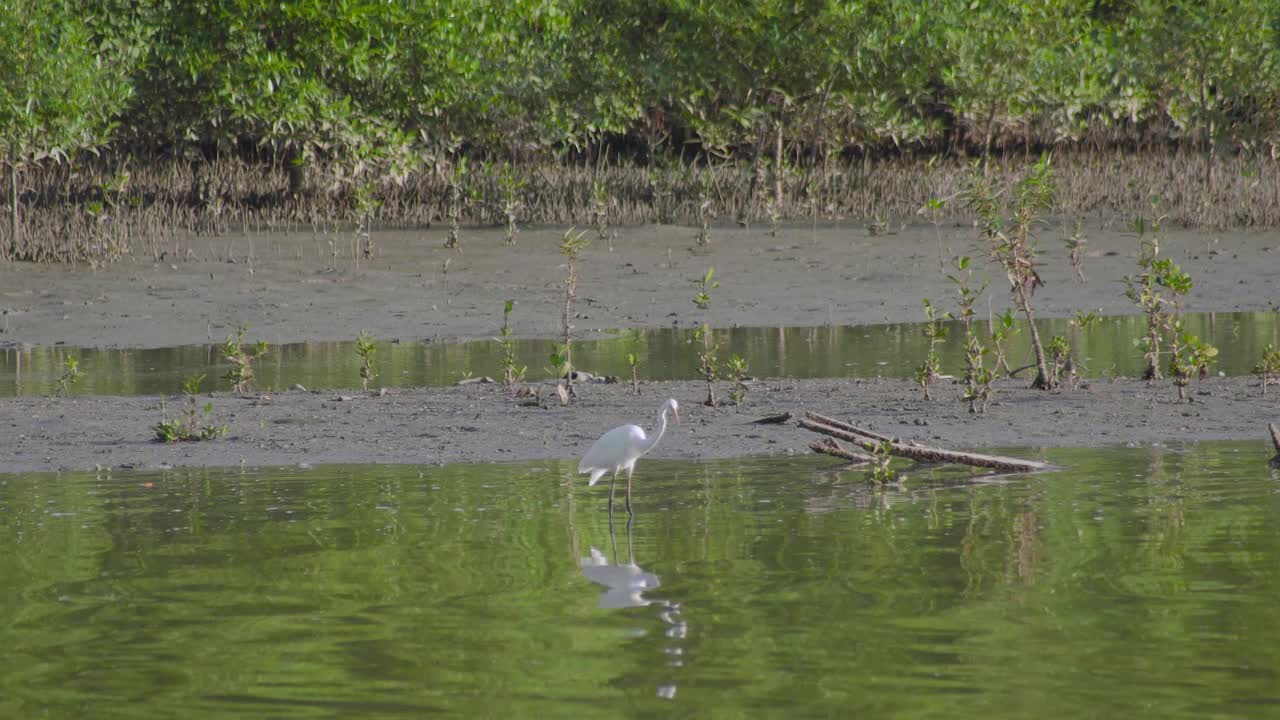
(1134,581)
(666,354)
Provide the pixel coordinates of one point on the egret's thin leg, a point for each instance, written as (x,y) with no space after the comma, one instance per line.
(612,484)
(629,471)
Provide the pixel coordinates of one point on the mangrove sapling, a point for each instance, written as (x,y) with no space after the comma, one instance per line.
(977,378)
(365,350)
(1075,243)
(936,332)
(1083,320)
(1268,368)
(511,186)
(242,357)
(1146,290)
(1015,249)
(456,198)
(881,457)
(933,209)
(444,280)
(512,374)
(366,204)
(1188,356)
(571,246)
(1003,328)
(707,282)
(735,370)
(1060,352)
(707,361)
(633,362)
(600,203)
(194,424)
(70,375)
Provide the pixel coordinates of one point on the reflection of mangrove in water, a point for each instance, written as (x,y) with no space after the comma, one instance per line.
(625,585)
(892,350)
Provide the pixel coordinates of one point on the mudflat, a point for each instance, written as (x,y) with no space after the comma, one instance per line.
(292,288)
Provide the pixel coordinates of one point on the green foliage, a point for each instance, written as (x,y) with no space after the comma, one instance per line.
(1059,354)
(62,87)
(1007,228)
(365,350)
(1188,356)
(511,185)
(242,357)
(707,282)
(735,370)
(571,246)
(633,362)
(708,361)
(1076,243)
(1268,367)
(1086,320)
(512,374)
(1157,290)
(70,375)
(936,332)
(881,457)
(977,378)
(195,423)
(1003,329)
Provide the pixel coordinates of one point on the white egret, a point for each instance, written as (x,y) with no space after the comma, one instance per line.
(620,448)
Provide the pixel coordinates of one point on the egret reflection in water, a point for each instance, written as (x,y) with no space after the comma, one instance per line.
(625,585)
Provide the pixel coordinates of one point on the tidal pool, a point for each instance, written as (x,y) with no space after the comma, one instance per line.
(1105,349)
(1135,581)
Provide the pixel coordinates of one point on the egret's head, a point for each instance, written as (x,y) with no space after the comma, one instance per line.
(674,407)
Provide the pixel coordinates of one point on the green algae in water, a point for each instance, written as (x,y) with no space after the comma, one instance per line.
(1134,581)
(666,354)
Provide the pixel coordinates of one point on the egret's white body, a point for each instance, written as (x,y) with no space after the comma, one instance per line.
(620,448)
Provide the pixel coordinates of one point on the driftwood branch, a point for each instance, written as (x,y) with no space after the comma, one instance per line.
(922,453)
(830,447)
(815,417)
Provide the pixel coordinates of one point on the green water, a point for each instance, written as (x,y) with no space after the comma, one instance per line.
(666,354)
(1135,582)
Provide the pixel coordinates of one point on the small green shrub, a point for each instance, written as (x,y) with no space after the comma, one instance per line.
(194,425)
(242,357)
(365,350)
(735,370)
(708,282)
(1268,368)
(70,375)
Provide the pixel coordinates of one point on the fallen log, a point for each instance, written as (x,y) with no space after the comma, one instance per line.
(847,427)
(1275,440)
(834,449)
(921,453)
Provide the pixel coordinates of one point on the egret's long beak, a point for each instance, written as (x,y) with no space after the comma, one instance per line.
(676,412)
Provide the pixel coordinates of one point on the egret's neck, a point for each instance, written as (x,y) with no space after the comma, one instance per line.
(662,427)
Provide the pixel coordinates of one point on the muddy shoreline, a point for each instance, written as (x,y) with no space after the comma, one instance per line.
(294,290)
(482,423)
